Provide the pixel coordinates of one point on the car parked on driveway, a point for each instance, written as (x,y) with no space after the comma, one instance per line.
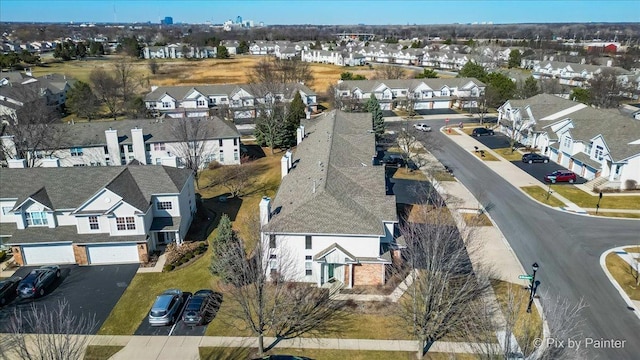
(422,127)
(37,282)
(8,289)
(166,308)
(561,176)
(534,158)
(393,160)
(481,131)
(198,307)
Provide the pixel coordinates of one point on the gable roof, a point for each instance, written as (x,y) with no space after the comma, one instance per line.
(333,188)
(69,187)
(543,105)
(410,84)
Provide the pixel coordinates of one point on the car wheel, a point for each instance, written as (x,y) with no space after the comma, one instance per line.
(570,181)
(530,161)
(41,292)
(545,161)
(58,273)
(553,181)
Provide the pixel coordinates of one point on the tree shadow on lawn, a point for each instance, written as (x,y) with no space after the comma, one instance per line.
(208,215)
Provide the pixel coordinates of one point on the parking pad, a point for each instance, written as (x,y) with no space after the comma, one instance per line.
(177,329)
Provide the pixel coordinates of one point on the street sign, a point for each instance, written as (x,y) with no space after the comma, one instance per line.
(525,277)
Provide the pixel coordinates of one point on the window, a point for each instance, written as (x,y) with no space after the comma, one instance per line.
(201,103)
(599,152)
(308,266)
(272,241)
(444,92)
(106,150)
(236,156)
(235,142)
(158,161)
(220,142)
(79,165)
(126,223)
(166,104)
(221,156)
(36,218)
(159,147)
(307,242)
(93,223)
(164,205)
(130,148)
(223,99)
(76,151)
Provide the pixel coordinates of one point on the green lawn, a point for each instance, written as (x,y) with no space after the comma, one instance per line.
(616,214)
(101,352)
(587,200)
(528,326)
(624,275)
(540,194)
(487,156)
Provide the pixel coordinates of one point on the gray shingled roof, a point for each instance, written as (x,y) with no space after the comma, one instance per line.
(543,105)
(154,131)
(370,85)
(36,234)
(70,187)
(181,91)
(333,188)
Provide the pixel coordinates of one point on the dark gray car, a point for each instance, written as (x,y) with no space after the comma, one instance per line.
(198,307)
(8,289)
(38,280)
(166,308)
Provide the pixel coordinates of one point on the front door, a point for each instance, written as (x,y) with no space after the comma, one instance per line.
(330,271)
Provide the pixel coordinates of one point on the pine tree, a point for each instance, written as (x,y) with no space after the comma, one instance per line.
(372,103)
(226,237)
(378,122)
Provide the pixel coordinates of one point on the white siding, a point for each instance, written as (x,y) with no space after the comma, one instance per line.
(5,206)
(104,201)
(173,212)
(126,210)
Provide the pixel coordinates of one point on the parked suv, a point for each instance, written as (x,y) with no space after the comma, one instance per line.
(37,282)
(561,176)
(166,308)
(198,308)
(481,131)
(422,127)
(533,157)
(393,160)
(8,289)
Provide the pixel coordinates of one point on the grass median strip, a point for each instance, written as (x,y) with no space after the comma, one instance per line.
(541,195)
(211,353)
(587,200)
(624,274)
(508,154)
(101,352)
(616,214)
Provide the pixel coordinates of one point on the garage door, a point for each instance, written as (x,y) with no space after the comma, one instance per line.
(112,254)
(48,254)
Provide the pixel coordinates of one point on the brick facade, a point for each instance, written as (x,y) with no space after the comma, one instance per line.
(80,253)
(368,274)
(143,253)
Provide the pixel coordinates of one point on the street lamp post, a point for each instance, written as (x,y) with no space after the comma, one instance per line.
(598,204)
(533,287)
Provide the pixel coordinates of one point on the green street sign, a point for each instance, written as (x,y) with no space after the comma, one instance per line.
(525,277)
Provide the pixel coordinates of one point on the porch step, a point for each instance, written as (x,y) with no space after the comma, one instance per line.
(595,183)
(335,288)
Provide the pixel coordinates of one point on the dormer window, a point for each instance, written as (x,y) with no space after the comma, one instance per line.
(164,205)
(36,218)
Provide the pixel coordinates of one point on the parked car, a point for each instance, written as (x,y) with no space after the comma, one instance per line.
(561,176)
(8,289)
(166,308)
(197,308)
(422,127)
(37,282)
(393,160)
(481,131)
(534,157)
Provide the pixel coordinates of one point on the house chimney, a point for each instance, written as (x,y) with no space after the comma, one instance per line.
(139,151)
(284,165)
(265,210)
(289,156)
(51,162)
(16,163)
(304,134)
(299,135)
(113,147)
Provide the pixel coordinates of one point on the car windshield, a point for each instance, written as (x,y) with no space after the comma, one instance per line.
(194,304)
(158,313)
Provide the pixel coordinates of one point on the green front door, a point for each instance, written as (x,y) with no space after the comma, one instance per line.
(330,268)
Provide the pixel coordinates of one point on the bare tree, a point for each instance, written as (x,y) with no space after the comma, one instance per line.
(191,147)
(49,333)
(564,320)
(605,89)
(271,74)
(264,294)
(154,67)
(444,281)
(389,72)
(236,178)
(410,147)
(34,135)
(270,124)
(107,89)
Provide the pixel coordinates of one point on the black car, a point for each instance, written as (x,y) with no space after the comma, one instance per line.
(533,158)
(8,289)
(481,131)
(198,307)
(38,280)
(393,160)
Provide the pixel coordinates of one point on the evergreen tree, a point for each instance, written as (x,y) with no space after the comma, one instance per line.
(530,88)
(225,239)
(471,69)
(372,104)
(82,101)
(501,87)
(222,52)
(297,110)
(243,47)
(514,59)
(581,95)
(378,122)
(428,74)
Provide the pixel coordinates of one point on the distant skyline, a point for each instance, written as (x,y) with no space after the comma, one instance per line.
(322,12)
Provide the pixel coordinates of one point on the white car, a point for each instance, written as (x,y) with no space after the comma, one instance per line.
(422,127)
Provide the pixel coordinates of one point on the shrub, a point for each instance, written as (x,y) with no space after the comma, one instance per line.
(3,255)
(168,268)
(214,165)
(630,184)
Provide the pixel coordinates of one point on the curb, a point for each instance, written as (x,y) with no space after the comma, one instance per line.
(614,282)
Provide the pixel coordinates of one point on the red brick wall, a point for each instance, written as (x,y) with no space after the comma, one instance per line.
(143,253)
(368,274)
(346,274)
(80,253)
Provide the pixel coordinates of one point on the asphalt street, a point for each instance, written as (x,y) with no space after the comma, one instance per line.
(566,246)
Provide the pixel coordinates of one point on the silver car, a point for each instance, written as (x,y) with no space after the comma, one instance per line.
(166,308)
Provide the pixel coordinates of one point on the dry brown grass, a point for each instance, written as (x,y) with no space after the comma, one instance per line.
(473,219)
(624,275)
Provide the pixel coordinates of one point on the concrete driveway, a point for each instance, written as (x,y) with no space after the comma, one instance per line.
(539,170)
(88,290)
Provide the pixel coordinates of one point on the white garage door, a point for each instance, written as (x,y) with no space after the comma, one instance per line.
(112,253)
(48,254)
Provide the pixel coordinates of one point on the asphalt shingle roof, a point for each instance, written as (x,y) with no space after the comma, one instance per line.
(333,188)
(370,85)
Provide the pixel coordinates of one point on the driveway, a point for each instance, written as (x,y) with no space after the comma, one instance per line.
(88,290)
(497,141)
(539,170)
(435,111)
